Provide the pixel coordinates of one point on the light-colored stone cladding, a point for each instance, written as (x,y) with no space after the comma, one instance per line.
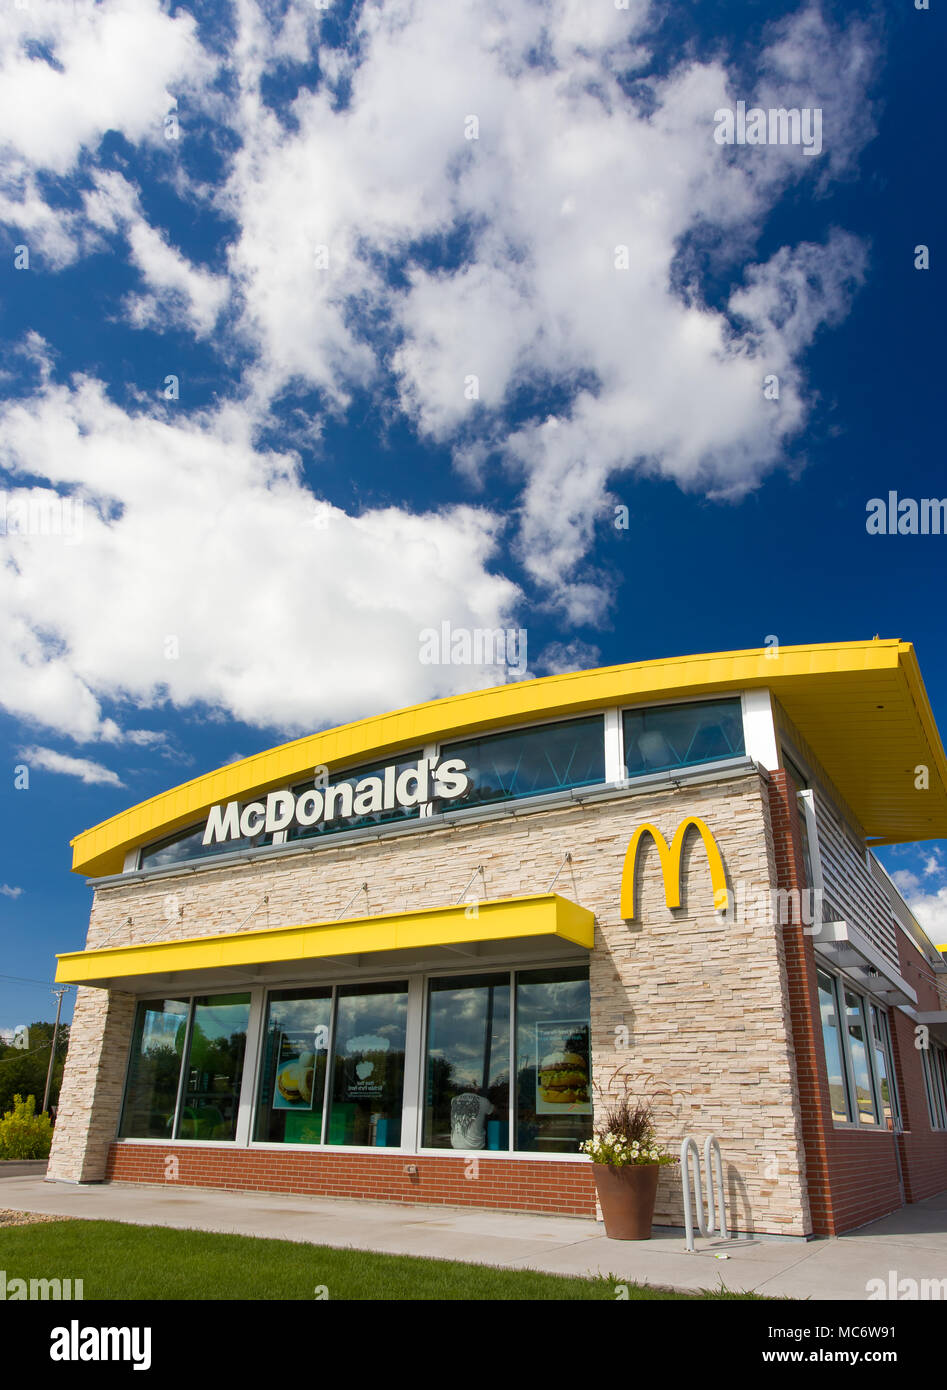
(92,1085)
(703,997)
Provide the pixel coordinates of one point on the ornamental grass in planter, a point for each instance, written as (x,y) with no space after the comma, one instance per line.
(627,1160)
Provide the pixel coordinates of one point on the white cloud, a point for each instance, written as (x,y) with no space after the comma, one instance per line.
(565,170)
(112,65)
(9,892)
(930,909)
(558,657)
(208,573)
(906,882)
(181,292)
(192,534)
(83,768)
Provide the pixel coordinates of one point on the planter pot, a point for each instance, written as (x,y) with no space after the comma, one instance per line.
(627,1197)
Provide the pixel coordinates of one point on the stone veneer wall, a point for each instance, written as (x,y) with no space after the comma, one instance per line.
(703,998)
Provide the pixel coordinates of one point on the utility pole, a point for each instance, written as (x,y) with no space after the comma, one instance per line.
(52,1051)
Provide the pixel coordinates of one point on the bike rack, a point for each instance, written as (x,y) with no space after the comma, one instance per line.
(690,1158)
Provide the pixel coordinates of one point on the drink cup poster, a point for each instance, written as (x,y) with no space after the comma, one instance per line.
(296,1072)
(563,1083)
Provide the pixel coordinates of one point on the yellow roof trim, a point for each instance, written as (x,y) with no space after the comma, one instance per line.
(830,690)
(498,919)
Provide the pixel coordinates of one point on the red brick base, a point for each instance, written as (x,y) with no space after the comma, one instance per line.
(561,1189)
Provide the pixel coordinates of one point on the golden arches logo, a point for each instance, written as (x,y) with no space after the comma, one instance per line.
(670,856)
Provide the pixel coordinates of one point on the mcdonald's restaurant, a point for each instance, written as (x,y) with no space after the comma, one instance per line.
(410,959)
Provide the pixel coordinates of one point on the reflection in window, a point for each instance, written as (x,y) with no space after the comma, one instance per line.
(154,1070)
(858,1052)
(832,1045)
(369,794)
(293,1070)
(467,1075)
(553,1065)
(884,1066)
(679,735)
(215,1067)
(188,844)
(530,762)
(934,1062)
(368,1065)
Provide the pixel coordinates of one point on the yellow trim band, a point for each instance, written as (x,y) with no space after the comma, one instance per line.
(861,705)
(535,915)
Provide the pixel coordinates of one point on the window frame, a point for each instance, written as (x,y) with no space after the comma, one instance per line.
(737,698)
(412,1112)
(190,997)
(934,1068)
(613,743)
(866,1002)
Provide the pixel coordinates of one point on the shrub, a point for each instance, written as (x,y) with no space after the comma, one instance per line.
(23,1133)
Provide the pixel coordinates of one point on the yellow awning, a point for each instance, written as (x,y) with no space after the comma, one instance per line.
(531,918)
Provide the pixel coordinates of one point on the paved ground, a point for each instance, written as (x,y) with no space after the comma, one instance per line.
(912,1242)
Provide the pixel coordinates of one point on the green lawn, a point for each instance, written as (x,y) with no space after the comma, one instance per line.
(118,1261)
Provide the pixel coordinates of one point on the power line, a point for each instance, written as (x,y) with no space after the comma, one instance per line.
(28,980)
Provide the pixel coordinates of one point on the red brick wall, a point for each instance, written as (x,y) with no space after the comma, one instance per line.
(852,1177)
(562,1189)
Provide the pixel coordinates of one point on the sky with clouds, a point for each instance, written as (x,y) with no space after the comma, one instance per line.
(327,323)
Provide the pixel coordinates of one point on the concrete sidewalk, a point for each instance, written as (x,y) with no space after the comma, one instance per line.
(912,1242)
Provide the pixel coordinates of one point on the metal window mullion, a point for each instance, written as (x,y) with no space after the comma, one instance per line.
(330,1068)
(514,1083)
(893,1093)
(614,750)
(246,1106)
(871,1050)
(185,1056)
(841,1013)
(413,1059)
(421,1092)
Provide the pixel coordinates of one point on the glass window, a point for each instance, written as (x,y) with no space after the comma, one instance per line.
(529,762)
(679,735)
(467,1070)
(154,1070)
(354,821)
(368,1065)
(832,1046)
(215,1067)
(553,1066)
(934,1062)
(884,1066)
(858,1054)
(188,844)
(292,1086)
(940,1057)
(804,836)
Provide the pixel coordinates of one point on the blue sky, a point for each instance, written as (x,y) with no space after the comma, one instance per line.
(414,382)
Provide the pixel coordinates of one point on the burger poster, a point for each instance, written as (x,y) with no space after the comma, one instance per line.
(562,1068)
(295,1072)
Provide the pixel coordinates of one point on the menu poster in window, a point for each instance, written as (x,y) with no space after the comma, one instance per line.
(563,1085)
(365,1066)
(295,1071)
